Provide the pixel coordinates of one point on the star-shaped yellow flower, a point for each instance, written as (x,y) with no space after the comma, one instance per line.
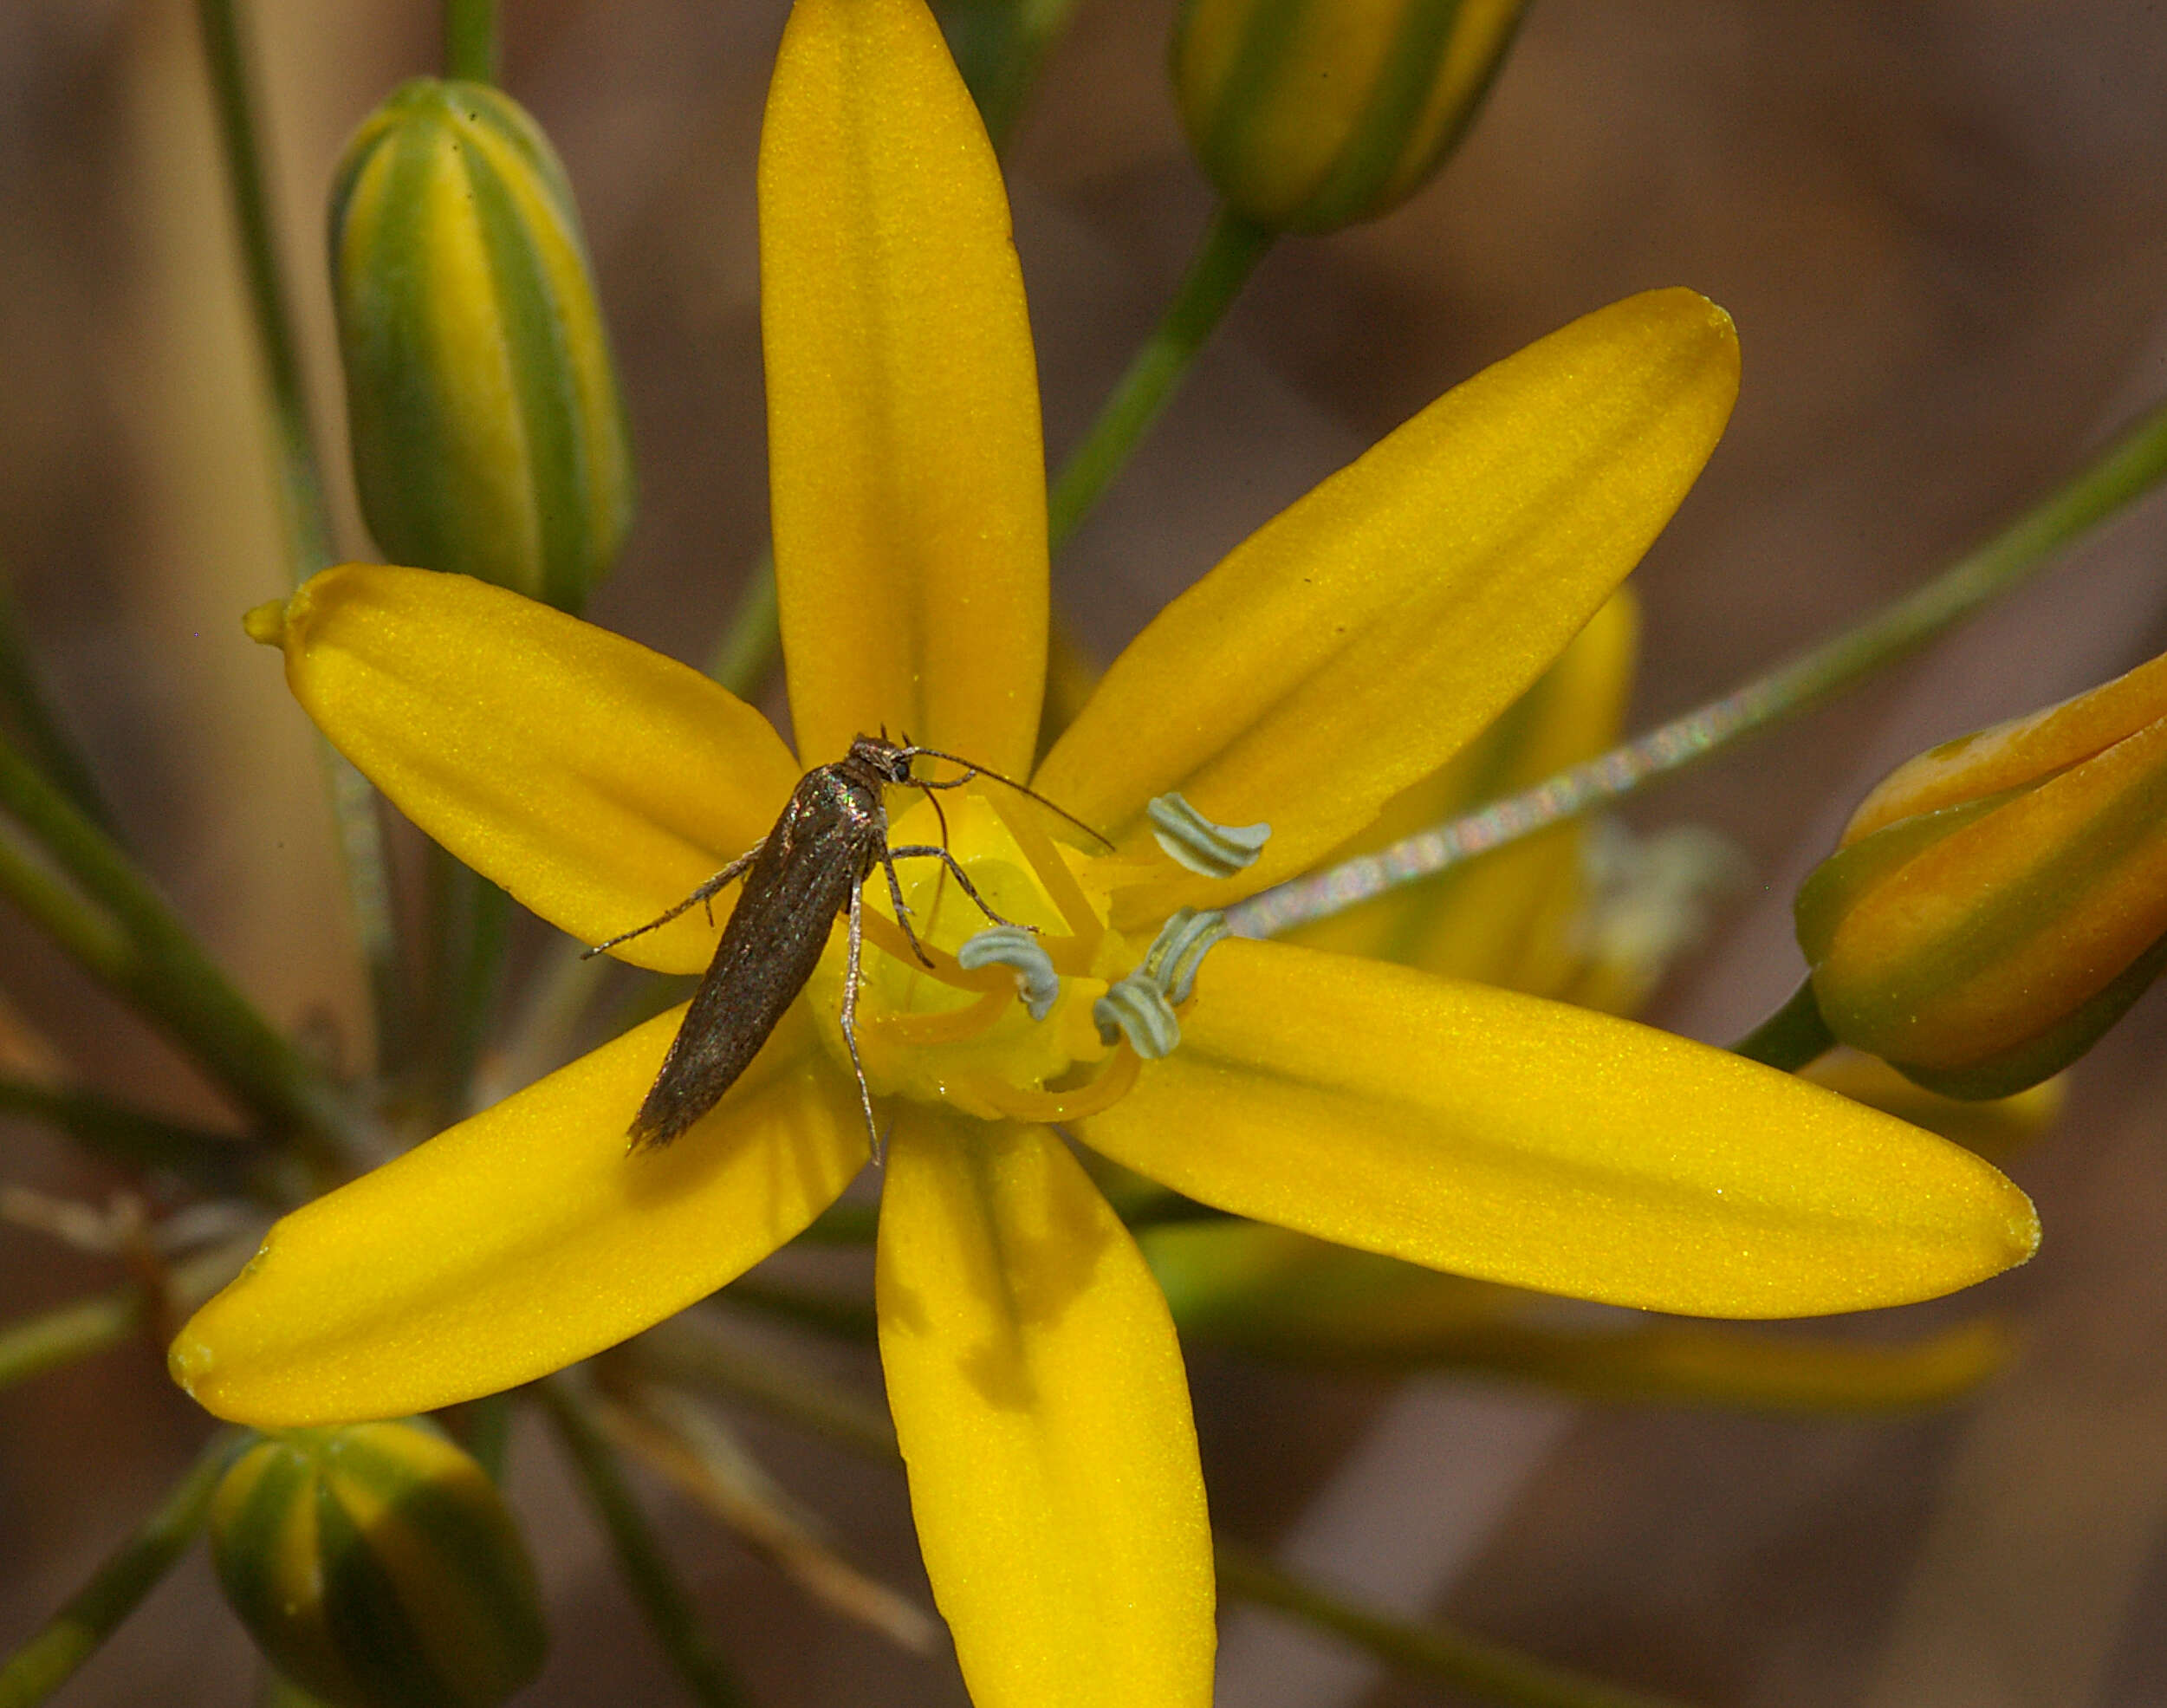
(1346,651)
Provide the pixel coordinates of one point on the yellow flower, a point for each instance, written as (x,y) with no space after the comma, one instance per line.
(1345,652)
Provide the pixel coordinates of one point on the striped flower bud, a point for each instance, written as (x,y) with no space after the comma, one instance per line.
(376,1564)
(488,436)
(1311,114)
(1998,901)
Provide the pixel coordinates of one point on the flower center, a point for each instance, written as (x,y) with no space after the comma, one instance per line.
(962,1032)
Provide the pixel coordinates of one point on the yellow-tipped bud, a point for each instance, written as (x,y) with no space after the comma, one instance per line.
(488,436)
(1998,901)
(1311,114)
(376,1564)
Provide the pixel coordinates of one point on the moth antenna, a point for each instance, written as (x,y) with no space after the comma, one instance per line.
(971,771)
(940,812)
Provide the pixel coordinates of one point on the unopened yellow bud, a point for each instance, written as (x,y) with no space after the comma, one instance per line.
(376,1564)
(1998,901)
(488,436)
(1311,114)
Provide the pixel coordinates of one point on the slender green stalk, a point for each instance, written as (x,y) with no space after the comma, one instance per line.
(1000,46)
(1434,1652)
(2131,465)
(1791,1037)
(44,739)
(654,1581)
(545,1032)
(306,516)
(846,1319)
(217,1162)
(73,1332)
(1231,249)
(226,51)
(694,1350)
(470,929)
(469,40)
(119,930)
(751,642)
(87,1326)
(45,1662)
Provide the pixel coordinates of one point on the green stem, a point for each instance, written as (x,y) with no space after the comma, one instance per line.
(2129,467)
(1231,249)
(305,511)
(1000,46)
(44,739)
(45,1662)
(216,1162)
(846,1318)
(119,929)
(240,133)
(543,1035)
(1430,1652)
(80,1330)
(470,929)
(469,40)
(653,1580)
(73,1332)
(751,640)
(1791,1037)
(694,1350)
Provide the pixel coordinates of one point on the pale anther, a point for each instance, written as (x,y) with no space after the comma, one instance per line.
(1136,1008)
(1140,1005)
(1180,947)
(1038,985)
(1191,839)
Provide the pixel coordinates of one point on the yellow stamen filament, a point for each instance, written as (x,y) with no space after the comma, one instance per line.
(884,934)
(955,1025)
(1071,955)
(1106,1088)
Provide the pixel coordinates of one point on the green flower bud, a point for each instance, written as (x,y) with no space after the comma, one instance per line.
(488,436)
(1311,114)
(376,1564)
(1998,901)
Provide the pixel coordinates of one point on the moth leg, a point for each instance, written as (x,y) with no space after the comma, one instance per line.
(707,893)
(850,1019)
(902,907)
(927,851)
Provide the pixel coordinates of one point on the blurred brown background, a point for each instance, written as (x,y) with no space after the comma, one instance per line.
(1941,227)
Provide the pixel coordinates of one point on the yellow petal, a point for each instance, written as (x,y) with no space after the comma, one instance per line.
(1509,917)
(1041,1403)
(907,480)
(1515,1140)
(1353,645)
(598,781)
(522,1240)
(1995,1127)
